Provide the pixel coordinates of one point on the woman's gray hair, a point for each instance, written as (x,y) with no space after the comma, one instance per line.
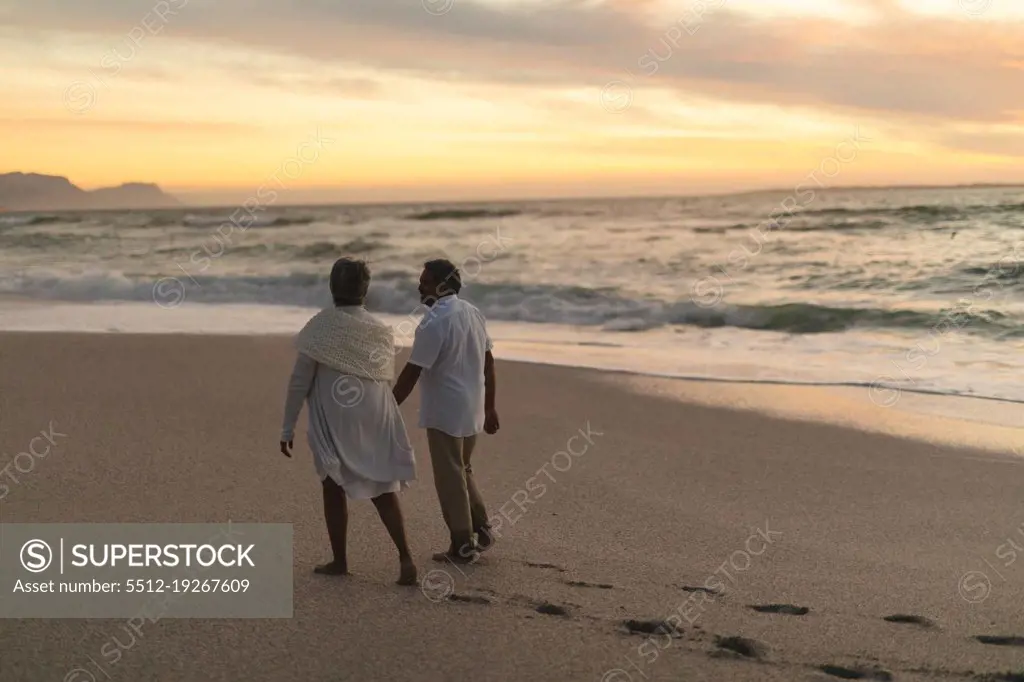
(350,280)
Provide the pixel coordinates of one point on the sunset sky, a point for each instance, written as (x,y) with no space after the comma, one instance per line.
(477,99)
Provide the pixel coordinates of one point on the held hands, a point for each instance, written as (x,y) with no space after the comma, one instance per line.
(491,424)
(285,448)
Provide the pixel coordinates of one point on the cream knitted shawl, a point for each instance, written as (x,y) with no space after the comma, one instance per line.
(358,346)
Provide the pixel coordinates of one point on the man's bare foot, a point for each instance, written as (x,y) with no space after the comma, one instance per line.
(408,575)
(333,568)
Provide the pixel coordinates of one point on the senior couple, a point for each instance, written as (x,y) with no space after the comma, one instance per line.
(344,373)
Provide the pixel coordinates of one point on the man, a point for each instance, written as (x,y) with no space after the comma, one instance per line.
(452,353)
(343,372)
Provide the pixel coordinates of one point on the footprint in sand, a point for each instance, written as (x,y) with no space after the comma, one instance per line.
(552,609)
(856,673)
(999,640)
(910,620)
(746,648)
(705,590)
(651,627)
(786,609)
(470,599)
(580,583)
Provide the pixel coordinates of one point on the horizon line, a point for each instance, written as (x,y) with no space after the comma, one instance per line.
(615,197)
(520,200)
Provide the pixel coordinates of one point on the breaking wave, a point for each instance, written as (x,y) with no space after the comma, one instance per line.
(26,220)
(324,250)
(795,223)
(217,220)
(463,214)
(395,293)
(922,212)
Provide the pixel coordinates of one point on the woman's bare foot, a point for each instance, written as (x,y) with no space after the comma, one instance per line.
(333,568)
(408,575)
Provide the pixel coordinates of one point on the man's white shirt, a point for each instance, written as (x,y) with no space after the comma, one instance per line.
(450,344)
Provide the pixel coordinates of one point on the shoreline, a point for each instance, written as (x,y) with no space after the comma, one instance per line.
(920,415)
(878,361)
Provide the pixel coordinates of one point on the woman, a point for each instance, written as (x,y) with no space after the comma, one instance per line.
(343,371)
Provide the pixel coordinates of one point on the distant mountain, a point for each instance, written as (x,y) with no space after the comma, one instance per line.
(35,192)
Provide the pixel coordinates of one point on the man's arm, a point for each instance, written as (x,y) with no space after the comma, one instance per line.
(426,346)
(406,382)
(490,388)
(491,423)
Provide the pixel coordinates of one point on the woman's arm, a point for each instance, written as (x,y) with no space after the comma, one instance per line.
(406,382)
(298,388)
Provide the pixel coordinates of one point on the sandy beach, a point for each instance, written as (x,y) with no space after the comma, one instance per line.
(676,509)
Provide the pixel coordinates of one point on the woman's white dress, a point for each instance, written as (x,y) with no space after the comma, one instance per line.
(356,430)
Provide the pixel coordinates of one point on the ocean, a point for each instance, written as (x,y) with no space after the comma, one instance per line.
(892,289)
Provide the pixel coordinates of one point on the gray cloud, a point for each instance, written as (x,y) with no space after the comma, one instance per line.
(904,66)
